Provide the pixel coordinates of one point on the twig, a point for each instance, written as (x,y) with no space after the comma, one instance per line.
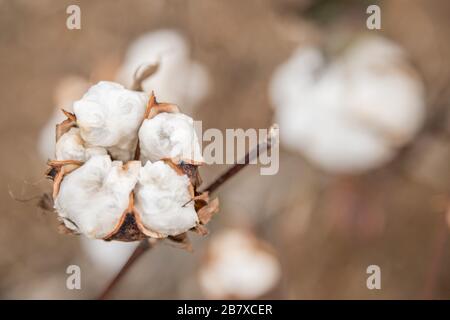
(143,247)
(251,155)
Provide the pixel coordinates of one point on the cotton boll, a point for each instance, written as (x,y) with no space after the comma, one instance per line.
(238,266)
(162,200)
(351,114)
(109,116)
(68,90)
(108,256)
(93,198)
(169,136)
(70,146)
(178,80)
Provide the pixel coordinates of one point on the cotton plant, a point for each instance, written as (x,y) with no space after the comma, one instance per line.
(350,113)
(109,184)
(178,79)
(238,265)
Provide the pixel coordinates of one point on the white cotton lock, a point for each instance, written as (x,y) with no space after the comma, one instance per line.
(352,114)
(93,198)
(162,200)
(169,136)
(109,116)
(238,266)
(70,146)
(178,80)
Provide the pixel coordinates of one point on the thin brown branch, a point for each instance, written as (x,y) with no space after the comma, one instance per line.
(143,247)
(231,172)
(433,272)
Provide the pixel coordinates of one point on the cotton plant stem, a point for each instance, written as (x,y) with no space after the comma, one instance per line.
(434,269)
(231,172)
(142,247)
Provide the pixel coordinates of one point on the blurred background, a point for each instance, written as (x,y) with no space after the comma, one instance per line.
(364,117)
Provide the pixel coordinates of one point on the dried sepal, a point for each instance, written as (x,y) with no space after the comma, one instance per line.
(154,107)
(181,241)
(65,125)
(206,213)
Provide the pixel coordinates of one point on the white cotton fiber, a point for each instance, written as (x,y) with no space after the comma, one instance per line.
(93,198)
(161,197)
(169,136)
(109,116)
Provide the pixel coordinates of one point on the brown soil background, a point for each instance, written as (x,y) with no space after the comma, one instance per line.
(326,230)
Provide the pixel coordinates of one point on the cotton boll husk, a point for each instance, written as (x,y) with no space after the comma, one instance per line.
(352,114)
(68,90)
(178,80)
(93,198)
(108,256)
(109,116)
(238,266)
(70,146)
(169,136)
(161,200)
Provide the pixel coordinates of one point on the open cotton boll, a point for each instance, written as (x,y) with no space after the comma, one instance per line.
(162,197)
(109,116)
(93,198)
(68,90)
(169,136)
(70,146)
(238,266)
(178,80)
(350,114)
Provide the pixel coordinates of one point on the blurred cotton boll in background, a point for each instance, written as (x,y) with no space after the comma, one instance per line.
(350,114)
(107,256)
(179,80)
(238,266)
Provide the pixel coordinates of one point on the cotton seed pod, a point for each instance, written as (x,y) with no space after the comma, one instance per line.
(109,116)
(100,197)
(92,199)
(163,195)
(168,134)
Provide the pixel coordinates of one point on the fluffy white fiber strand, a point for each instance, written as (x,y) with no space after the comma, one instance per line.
(353,113)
